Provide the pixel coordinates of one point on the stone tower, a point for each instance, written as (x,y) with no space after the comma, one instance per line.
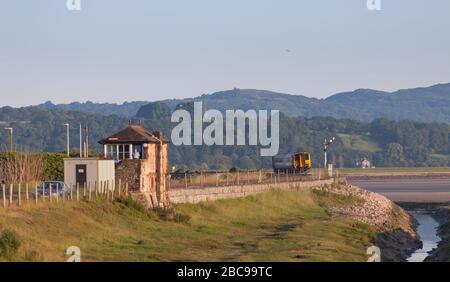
(141,162)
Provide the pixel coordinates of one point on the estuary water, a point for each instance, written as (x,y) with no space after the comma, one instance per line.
(427,230)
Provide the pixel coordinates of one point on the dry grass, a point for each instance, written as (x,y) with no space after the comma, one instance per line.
(272,226)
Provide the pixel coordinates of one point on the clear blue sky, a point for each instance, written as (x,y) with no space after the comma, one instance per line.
(118,50)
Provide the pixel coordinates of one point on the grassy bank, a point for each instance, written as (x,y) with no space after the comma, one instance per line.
(272,226)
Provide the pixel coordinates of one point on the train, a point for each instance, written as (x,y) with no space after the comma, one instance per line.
(299,162)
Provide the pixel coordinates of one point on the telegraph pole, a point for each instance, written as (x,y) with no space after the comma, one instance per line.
(86,142)
(81,141)
(326,144)
(67,139)
(11,144)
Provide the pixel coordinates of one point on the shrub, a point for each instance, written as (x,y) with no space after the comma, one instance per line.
(20,167)
(9,244)
(53,166)
(234,169)
(132,204)
(32,256)
(169,214)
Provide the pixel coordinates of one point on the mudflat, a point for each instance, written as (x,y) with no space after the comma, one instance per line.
(406,189)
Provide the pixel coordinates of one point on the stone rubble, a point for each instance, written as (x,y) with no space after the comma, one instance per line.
(373,209)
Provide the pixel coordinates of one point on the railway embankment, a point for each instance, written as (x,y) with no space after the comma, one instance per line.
(207,194)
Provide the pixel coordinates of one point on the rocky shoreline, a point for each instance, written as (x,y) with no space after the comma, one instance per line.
(441,213)
(394,227)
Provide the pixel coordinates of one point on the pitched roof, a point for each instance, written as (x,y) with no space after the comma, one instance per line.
(133,134)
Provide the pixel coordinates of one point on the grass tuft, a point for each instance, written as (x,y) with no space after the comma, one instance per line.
(10,243)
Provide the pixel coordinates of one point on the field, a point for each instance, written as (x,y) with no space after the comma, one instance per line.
(359,142)
(272,226)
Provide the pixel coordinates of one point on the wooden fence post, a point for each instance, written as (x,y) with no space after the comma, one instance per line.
(84,189)
(217,178)
(120,188)
(112,189)
(11,188)
(4,196)
(169,180)
(227,177)
(126,190)
(248,177)
(185,180)
(78,191)
(26,192)
(90,192)
(20,200)
(57,192)
(64,193)
(201,178)
(43,192)
(96,188)
(50,192)
(36,192)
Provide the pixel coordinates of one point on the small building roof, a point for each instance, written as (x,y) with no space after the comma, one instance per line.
(134,134)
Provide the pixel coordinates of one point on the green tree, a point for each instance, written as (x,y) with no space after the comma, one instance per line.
(395,155)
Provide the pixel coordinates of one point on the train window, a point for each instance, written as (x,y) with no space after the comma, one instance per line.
(307,157)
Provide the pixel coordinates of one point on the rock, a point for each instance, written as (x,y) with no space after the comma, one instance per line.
(396,236)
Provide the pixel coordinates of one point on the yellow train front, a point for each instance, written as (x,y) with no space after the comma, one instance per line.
(293,162)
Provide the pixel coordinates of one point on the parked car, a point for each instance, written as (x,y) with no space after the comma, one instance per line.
(56,186)
(179,174)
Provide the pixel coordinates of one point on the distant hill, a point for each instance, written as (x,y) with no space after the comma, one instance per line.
(425,104)
(384,142)
(39,129)
(127,109)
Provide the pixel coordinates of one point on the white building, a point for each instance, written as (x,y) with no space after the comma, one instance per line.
(90,172)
